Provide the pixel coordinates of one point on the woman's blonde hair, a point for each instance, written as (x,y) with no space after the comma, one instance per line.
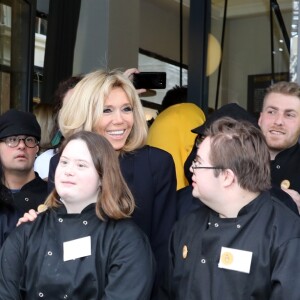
(115,200)
(85,106)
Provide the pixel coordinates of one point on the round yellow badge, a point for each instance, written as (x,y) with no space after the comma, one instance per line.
(42,207)
(227,258)
(285,184)
(184,251)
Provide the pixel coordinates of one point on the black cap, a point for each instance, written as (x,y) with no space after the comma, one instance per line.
(15,122)
(232,110)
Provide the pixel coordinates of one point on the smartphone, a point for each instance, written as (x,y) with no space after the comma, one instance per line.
(150,80)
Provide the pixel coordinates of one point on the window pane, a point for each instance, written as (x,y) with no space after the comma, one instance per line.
(5,35)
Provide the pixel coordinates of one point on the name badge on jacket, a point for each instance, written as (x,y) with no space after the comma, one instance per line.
(77,248)
(236,260)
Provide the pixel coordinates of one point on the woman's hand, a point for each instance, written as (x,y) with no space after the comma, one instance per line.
(129,73)
(28,217)
(295,195)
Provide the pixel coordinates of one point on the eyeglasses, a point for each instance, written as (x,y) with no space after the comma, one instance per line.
(14,141)
(195,162)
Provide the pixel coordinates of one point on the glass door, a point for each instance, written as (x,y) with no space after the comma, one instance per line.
(17,24)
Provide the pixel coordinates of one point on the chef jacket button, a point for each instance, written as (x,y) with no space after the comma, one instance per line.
(238,226)
(41,295)
(216,225)
(85,222)
(209,223)
(203,261)
(60,220)
(65,296)
(278,167)
(26,199)
(49,253)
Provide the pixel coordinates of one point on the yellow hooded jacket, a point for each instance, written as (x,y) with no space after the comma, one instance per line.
(171,131)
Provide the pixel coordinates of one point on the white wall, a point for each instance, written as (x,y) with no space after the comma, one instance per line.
(160,31)
(247,51)
(107,35)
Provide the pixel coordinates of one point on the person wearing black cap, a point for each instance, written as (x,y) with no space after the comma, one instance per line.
(21,188)
(185,201)
(232,110)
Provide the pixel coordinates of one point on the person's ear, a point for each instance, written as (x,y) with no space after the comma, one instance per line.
(228,177)
(259,119)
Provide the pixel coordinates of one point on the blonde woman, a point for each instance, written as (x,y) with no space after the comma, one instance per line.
(107,103)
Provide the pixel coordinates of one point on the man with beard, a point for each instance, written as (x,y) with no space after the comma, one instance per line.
(280,124)
(21,188)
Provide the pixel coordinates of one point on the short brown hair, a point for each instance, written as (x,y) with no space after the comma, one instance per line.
(241,147)
(115,199)
(59,95)
(285,88)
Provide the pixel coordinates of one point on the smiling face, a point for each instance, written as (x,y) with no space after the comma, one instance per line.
(76,179)
(280,122)
(117,120)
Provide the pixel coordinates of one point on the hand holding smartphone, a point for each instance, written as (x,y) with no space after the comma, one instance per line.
(150,80)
